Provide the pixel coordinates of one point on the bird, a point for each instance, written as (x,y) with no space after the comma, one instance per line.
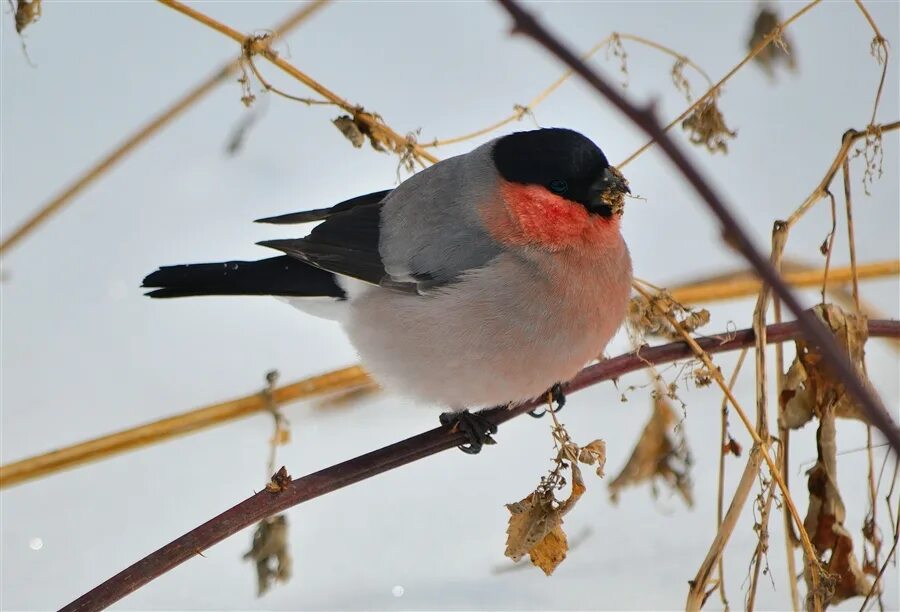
(484,280)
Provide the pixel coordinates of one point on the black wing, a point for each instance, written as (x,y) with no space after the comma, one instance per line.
(346,243)
(320,214)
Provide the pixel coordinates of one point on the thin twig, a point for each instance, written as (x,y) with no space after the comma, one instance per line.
(521,111)
(177,425)
(744,285)
(264,503)
(725,448)
(713,90)
(260,46)
(878,42)
(849,137)
(697,592)
(734,234)
(143,134)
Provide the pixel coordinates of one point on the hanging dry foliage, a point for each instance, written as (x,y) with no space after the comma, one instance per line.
(779,50)
(706,126)
(270,552)
(648,315)
(809,387)
(657,456)
(825,522)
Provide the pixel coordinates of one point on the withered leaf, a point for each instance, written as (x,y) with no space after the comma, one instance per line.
(27,13)
(550,551)
(706,126)
(280,480)
(657,456)
(779,51)
(535,525)
(530,521)
(595,452)
(825,521)
(270,552)
(810,388)
(350,130)
(649,315)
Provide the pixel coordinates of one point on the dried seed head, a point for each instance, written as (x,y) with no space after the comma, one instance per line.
(615,198)
(706,126)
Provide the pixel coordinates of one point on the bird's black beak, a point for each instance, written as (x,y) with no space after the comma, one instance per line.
(608,191)
(612,180)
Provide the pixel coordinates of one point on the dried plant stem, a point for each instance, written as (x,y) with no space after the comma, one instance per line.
(260,46)
(743,284)
(887,560)
(713,90)
(849,137)
(762,545)
(645,118)
(521,111)
(152,127)
(761,444)
(264,503)
(720,494)
(697,592)
(882,41)
(177,425)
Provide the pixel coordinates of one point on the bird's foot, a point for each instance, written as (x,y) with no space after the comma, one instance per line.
(474,425)
(555,395)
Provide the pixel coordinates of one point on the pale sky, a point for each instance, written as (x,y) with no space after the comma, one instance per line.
(84,353)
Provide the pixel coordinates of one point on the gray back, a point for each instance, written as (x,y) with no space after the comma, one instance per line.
(430,228)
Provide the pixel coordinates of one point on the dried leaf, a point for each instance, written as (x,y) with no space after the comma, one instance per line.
(779,50)
(27,13)
(733,447)
(535,525)
(595,452)
(680,81)
(270,552)
(350,130)
(825,521)
(280,480)
(551,551)
(657,456)
(810,389)
(706,126)
(649,315)
(530,521)
(617,49)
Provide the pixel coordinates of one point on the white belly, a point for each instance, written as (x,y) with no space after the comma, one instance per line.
(505,333)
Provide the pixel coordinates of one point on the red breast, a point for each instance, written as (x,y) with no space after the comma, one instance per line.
(530,215)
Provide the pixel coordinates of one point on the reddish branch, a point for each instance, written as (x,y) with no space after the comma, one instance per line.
(266,503)
(645,119)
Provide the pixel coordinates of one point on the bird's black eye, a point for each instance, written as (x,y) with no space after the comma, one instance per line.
(558,186)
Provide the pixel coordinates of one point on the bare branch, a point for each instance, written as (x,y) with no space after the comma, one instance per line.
(266,503)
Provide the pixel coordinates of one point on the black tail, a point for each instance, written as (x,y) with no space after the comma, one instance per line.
(284,276)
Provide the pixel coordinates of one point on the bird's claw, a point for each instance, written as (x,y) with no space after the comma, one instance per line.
(476,427)
(557,396)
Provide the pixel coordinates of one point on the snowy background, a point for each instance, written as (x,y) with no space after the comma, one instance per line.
(83,353)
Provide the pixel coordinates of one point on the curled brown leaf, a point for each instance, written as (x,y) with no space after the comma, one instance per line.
(657,456)
(706,126)
(810,389)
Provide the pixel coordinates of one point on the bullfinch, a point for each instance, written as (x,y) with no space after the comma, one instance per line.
(483,280)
